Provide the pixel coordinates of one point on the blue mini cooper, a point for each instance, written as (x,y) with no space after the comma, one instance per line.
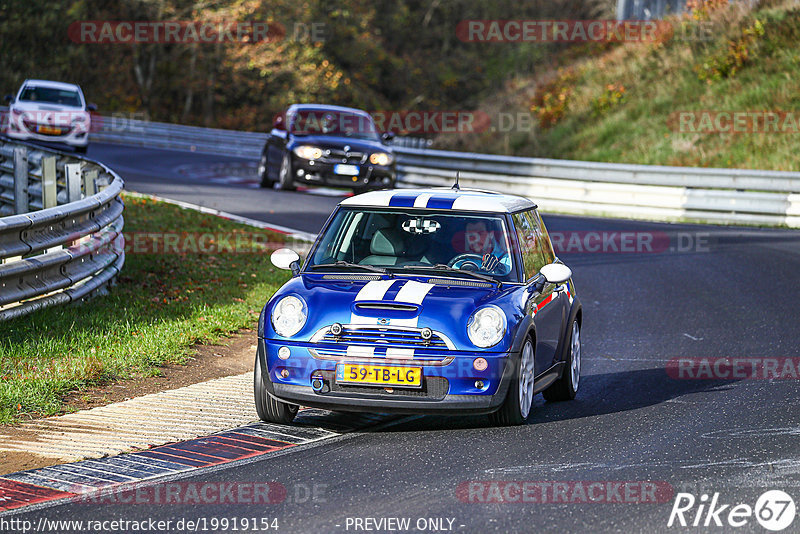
(440,301)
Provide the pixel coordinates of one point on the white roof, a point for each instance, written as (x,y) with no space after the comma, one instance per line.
(442,199)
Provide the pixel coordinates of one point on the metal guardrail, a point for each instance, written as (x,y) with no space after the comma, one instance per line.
(61,239)
(722,196)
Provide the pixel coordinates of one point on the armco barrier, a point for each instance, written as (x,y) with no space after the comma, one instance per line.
(61,239)
(721,196)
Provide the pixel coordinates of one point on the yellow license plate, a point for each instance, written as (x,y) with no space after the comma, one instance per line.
(379,375)
(48,130)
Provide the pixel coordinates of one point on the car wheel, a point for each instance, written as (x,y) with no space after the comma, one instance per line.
(263,175)
(517,406)
(268,409)
(566,387)
(285,174)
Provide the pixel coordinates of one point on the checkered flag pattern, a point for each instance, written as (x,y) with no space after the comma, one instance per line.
(421,226)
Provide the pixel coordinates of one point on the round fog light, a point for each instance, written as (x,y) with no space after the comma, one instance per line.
(316,384)
(284,353)
(300,172)
(478,384)
(480,364)
(285,373)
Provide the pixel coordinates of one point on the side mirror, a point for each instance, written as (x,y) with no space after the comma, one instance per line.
(387,136)
(286,258)
(91,107)
(9,98)
(279,122)
(556,273)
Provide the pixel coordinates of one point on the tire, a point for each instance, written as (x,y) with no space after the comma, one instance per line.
(285,174)
(518,402)
(263,173)
(566,387)
(268,409)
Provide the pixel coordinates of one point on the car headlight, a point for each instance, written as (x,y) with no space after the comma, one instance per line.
(308,152)
(380,158)
(486,326)
(289,316)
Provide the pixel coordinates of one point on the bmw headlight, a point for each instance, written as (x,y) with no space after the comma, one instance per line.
(308,152)
(486,326)
(289,316)
(380,158)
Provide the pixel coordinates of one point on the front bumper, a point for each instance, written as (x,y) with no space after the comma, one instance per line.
(307,172)
(72,135)
(447,389)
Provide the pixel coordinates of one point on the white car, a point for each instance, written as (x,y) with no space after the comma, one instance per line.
(51,112)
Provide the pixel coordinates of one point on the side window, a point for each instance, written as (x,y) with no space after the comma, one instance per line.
(543,238)
(532,258)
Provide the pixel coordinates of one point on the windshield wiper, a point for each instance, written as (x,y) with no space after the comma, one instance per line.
(443,267)
(342,263)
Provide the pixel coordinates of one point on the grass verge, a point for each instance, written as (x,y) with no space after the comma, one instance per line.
(164,303)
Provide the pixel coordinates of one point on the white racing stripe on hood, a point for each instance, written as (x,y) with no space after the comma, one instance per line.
(413,292)
(422,200)
(374,290)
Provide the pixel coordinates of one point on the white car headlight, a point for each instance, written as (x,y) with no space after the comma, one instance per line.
(289,316)
(380,158)
(486,326)
(308,152)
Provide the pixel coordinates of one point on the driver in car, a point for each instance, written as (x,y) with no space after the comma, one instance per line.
(495,258)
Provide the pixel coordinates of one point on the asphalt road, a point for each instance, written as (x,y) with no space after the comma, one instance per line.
(731,292)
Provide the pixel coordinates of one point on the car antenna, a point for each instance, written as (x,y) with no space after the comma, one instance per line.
(455,185)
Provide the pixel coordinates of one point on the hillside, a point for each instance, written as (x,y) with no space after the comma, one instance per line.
(730,73)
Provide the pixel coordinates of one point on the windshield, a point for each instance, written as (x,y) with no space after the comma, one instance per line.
(51,95)
(338,123)
(408,239)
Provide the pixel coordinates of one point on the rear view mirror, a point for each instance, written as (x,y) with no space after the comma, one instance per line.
(9,98)
(278,123)
(91,107)
(387,136)
(556,273)
(286,258)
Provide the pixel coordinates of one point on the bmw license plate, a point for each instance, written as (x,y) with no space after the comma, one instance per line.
(379,375)
(346,170)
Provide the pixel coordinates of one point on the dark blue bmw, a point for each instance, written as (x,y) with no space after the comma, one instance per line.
(439,301)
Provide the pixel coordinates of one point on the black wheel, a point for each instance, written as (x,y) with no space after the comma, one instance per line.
(517,406)
(270,410)
(285,174)
(263,174)
(566,387)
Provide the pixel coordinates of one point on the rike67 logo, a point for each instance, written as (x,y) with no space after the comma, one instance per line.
(774,510)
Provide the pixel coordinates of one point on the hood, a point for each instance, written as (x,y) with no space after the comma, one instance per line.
(400,302)
(331,141)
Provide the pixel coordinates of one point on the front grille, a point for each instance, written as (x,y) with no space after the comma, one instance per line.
(55,130)
(333,155)
(433,388)
(376,336)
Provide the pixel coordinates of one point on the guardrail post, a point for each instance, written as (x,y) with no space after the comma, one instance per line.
(89,179)
(72,172)
(21,180)
(49,188)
